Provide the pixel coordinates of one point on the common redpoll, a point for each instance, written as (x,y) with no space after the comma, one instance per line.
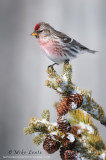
(56,45)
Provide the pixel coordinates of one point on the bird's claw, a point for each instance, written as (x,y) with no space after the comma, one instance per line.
(51,66)
(66,61)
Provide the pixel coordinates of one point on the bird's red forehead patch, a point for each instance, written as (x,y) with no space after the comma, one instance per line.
(37,26)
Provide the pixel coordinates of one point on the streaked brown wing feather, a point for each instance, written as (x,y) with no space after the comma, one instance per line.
(77,44)
(64,38)
(71,43)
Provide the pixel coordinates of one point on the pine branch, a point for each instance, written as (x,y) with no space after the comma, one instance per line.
(43,126)
(36,125)
(64,86)
(77,137)
(91,144)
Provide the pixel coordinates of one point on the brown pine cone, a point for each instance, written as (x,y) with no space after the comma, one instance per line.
(74,101)
(62,107)
(69,140)
(51,144)
(71,155)
(63,124)
(62,153)
(71,102)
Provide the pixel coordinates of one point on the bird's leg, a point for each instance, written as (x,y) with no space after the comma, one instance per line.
(51,66)
(66,61)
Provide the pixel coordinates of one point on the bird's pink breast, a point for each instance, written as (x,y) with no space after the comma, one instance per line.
(53,49)
(49,46)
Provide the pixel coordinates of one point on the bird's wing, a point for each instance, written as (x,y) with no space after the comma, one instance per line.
(72,44)
(63,37)
(76,45)
(66,39)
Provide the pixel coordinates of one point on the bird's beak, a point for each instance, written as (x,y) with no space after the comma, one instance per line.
(34,34)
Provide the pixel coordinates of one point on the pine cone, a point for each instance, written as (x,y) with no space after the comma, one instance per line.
(69,140)
(75,130)
(71,155)
(63,123)
(51,144)
(62,153)
(74,101)
(62,107)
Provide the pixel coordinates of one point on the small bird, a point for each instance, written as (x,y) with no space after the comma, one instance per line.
(56,45)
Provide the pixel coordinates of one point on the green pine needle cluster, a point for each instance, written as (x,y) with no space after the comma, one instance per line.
(46,115)
(37,140)
(90,139)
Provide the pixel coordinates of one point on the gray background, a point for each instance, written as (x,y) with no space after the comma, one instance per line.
(22,64)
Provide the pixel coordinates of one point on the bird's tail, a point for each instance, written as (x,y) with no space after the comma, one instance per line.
(91,51)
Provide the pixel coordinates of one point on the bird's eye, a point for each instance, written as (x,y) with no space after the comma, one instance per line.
(40,31)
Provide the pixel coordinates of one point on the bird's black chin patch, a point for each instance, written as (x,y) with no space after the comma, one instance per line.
(37,36)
